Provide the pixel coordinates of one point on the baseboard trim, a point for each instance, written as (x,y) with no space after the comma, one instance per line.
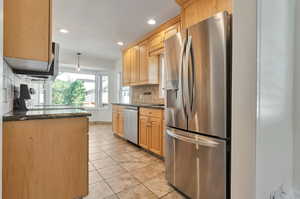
(100,122)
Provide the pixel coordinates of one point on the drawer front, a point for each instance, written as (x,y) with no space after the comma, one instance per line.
(151,112)
(121,108)
(117,108)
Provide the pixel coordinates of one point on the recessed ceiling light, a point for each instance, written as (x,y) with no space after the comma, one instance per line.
(120,43)
(64,31)
(151,22)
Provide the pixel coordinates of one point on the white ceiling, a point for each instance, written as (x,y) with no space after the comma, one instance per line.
(97,25)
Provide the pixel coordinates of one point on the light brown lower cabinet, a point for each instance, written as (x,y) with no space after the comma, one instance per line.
(151,130)
(143,132)
(118,120)
(45,159)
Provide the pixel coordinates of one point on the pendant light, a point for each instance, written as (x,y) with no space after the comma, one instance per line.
(78,61)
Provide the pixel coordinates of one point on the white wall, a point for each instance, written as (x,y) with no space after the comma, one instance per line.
(297,106)
(262,117)
(274,142)
(243,99)
(105,114)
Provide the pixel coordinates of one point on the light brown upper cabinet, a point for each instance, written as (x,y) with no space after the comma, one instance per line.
(144,62)
(141,59)
(27,30)
(171,31)
(126,67)
(135,65)
(149,66)
(156,43)
(138,67)
(194,11)
(131,66)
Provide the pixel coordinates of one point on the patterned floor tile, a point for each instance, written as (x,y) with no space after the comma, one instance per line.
(122,182)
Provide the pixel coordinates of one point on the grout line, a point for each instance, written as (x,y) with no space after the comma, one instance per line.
(93,139)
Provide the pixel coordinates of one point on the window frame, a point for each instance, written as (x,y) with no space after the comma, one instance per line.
(120,88)
(99,95)
(98,87)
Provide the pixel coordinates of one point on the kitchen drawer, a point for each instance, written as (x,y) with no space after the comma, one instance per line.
(151,112)
(117,108)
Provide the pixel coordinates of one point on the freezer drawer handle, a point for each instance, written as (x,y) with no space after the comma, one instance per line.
(196,140)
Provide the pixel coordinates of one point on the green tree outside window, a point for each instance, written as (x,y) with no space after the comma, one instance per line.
(69,93)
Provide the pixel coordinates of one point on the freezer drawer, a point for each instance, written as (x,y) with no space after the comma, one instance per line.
(196,165)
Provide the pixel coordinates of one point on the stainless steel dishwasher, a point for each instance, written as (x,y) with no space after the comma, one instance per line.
(131,124)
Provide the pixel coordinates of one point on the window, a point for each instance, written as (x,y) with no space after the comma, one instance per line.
(124,91)
(90,89)
(74,89)
(104,90)
(162,76)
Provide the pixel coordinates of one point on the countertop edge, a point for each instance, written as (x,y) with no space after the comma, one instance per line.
(140,105)
(40,115)
(43,117)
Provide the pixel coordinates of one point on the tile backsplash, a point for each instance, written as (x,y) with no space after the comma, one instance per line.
(10,80)
(149,94)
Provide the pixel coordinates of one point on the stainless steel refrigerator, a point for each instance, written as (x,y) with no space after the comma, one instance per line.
(198,82)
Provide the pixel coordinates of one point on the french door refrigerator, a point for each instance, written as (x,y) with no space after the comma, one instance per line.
(198,82)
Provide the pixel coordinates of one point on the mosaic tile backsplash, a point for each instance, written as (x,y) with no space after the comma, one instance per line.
(150,94)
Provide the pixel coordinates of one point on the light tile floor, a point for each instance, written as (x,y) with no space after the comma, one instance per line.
(121,170)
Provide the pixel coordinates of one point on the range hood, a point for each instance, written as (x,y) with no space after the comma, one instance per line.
(36,69)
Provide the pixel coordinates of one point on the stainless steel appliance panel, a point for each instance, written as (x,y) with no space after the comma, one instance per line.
(175,109)
(207,68)
(131,116)
(196,165)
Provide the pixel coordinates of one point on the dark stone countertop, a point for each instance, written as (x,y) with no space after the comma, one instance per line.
(38,114)
(156,106)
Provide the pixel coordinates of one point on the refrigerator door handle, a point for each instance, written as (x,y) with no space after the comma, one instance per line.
(181,74)
(190,77)
(194,140)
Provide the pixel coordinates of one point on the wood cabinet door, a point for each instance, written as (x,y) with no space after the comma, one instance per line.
(121,124)
(27,29)
(45,159)
(143,132)
(144,54)
(126,73)
(171,31)
(155,136)
(153,70)
(115,122)
(135,65)
(156,42)
(195,11)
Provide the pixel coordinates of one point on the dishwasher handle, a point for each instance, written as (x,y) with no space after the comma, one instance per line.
(196,139)
(131,109)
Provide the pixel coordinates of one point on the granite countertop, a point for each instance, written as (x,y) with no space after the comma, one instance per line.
(158,106)
(37,114)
